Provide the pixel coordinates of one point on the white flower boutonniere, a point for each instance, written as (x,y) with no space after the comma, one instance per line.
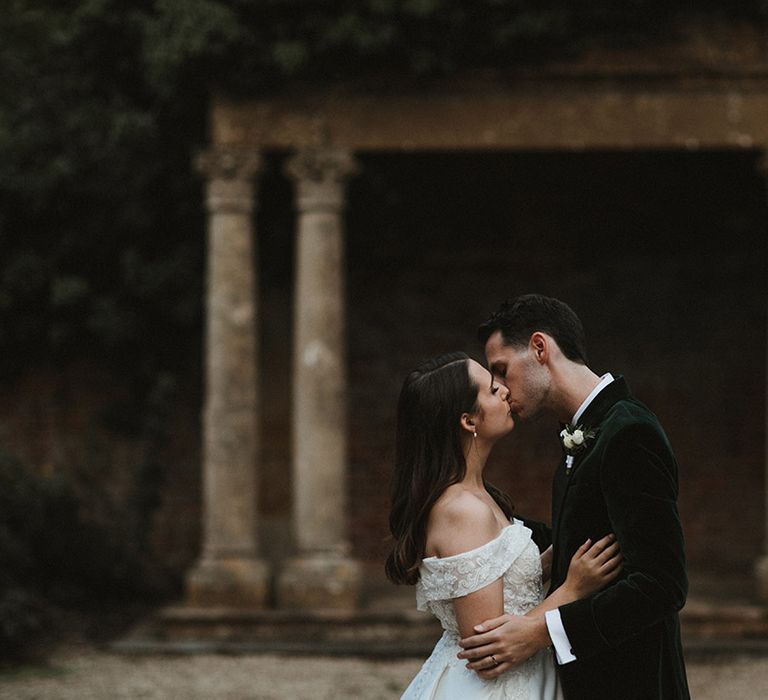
(574,438)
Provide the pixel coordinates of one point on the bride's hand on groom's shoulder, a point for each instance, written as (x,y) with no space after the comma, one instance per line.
(506,641)
(593,567)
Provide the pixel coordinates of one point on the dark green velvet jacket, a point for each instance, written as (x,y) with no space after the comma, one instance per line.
(626,638)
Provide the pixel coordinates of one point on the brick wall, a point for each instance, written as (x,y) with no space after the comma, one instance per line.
(663,255)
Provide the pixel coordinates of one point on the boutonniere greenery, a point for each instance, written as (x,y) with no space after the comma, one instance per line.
(575,438)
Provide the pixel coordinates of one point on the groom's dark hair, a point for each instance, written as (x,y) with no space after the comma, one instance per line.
(521,317)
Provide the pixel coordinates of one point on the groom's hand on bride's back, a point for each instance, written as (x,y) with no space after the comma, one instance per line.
(509,639)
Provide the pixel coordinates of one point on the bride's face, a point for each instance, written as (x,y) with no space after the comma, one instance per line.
(494,415)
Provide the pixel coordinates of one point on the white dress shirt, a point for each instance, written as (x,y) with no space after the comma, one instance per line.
(557,634)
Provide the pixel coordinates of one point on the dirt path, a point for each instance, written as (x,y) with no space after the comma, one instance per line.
(88,674)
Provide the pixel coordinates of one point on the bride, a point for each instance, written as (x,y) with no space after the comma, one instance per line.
(455,536)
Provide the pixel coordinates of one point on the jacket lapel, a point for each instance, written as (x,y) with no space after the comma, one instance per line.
(594,414)
(616,391)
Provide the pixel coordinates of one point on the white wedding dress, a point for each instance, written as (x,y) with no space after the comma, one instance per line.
(514,557)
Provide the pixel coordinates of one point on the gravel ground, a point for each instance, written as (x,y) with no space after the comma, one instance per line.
(88,674)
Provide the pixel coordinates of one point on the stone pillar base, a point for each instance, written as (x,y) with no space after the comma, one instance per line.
(761,578)
(230,583)
(320,582)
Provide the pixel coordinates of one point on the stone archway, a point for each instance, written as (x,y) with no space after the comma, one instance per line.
(688,103)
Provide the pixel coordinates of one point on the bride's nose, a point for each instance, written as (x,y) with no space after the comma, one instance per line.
(505,394)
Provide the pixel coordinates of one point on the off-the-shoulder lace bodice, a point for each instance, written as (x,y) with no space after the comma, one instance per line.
(512,555)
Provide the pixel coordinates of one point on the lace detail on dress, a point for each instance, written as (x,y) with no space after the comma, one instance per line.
(512,556)
(461,574)
(442,579)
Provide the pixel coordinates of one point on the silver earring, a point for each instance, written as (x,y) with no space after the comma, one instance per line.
(474,433)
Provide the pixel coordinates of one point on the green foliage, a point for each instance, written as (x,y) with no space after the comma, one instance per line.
(25,625)
(101,221)
(259,46)
(56,558)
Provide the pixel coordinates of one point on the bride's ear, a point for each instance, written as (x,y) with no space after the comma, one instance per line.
(467,422)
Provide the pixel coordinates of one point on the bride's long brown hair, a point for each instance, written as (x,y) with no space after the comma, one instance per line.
(428,455)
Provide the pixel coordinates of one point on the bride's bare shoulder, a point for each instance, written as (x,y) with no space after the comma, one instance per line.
(459,521)
(458,503)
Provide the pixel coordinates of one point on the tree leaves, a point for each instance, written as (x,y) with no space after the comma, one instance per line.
(105,100)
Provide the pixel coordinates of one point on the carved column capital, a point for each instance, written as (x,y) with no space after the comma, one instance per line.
(320,174)
(228,163)
(230,172)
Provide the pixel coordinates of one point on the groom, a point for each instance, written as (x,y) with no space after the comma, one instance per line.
(617,474)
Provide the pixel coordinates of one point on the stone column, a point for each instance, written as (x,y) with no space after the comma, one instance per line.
(761,565)
(229,572)
(321,575)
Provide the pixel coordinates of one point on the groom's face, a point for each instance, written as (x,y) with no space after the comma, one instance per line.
(518,370)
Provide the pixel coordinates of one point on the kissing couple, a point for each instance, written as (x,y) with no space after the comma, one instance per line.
(612,564)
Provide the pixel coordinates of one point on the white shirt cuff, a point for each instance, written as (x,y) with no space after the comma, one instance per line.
(559,638)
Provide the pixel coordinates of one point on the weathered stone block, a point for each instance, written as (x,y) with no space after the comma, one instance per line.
(320,582)
(232,583)
(761,578)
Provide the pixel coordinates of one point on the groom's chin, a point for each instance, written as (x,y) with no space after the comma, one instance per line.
(524,414)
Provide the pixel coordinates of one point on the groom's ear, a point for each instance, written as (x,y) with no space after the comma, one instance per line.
(539,345)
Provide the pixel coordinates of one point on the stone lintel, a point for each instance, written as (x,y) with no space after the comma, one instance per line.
(567,116)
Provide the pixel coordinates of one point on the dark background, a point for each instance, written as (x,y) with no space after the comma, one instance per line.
(662,254)
(102,250)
